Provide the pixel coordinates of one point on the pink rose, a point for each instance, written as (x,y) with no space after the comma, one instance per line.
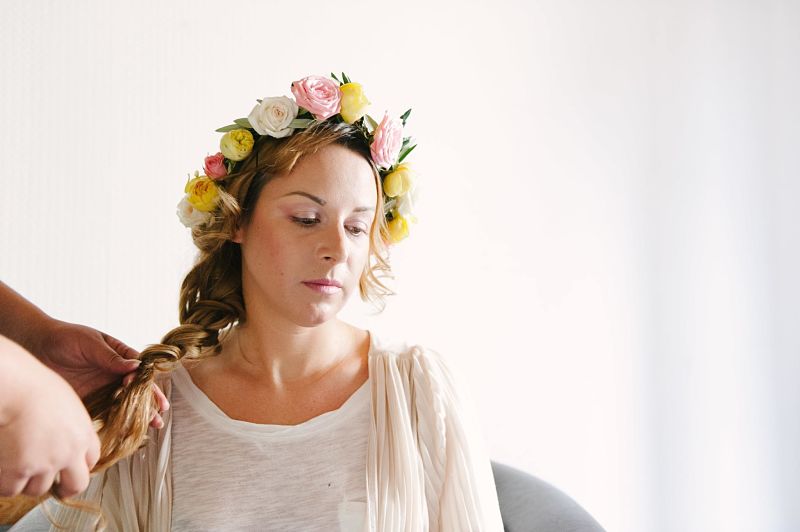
(215,166)
(318,95)
(386,142)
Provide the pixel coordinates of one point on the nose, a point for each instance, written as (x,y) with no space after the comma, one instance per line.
(333,244)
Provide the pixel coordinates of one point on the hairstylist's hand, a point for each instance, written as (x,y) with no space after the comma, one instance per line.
(44,429)
(89,359)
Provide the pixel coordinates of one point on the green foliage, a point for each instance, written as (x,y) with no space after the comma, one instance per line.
(371,123)
(300,123)
(405,152)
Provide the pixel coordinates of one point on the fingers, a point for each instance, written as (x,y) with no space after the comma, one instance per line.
(157,422)
(11,483)
(93,453)
(39,484)
(74,480)
(161,399)
(162,404)
(126,380)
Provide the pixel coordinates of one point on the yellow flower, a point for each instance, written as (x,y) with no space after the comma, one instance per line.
(236,144)
(398,182)
(398,229)
(202,193)
(354,102)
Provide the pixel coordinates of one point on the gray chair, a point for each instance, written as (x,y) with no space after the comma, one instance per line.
(528,504)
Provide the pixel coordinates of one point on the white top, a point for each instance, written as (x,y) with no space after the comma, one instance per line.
(310,476)
(426,465)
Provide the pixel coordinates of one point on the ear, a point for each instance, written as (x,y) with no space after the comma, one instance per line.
(238,235)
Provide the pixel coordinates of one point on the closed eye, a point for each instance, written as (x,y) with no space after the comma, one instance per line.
(305,222)
(310,222)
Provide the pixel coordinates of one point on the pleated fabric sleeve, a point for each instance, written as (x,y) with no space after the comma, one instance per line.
(425,436)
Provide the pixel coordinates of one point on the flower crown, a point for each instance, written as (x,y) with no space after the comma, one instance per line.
(316,99)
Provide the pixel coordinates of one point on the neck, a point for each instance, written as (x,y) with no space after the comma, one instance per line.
(287,355)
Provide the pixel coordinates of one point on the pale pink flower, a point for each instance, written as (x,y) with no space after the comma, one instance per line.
(386,142)
(215,166)
(318,95)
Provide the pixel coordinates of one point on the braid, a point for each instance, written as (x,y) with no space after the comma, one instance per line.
(211,299)
(210,302)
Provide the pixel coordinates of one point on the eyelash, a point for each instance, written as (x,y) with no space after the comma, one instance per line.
(303,222)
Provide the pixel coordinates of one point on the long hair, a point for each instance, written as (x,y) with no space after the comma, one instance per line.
(211,299)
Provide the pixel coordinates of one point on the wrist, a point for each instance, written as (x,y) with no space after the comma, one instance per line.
(23,322)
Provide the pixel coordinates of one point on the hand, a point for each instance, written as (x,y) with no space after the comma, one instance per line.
(89,359)
(45,430)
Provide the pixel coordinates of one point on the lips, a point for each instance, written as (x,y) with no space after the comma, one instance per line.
(324,282)
(324,286)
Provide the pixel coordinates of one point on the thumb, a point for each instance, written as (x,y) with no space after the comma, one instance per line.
(120,365)
(121,348)
(121,358)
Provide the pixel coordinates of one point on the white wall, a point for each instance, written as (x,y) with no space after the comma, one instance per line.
(608,242)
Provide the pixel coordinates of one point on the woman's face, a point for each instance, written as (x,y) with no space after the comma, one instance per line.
(310,225)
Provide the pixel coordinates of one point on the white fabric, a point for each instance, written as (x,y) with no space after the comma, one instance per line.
(426,467)
(308,477)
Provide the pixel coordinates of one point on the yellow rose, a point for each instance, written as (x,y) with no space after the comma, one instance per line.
(354,102)
(202,193)
(398,182)
(236,144)
(398,229)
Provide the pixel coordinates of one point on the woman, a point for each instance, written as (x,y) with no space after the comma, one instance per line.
(284,417)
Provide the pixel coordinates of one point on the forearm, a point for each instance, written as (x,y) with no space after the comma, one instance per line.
(16,365)
(21,320)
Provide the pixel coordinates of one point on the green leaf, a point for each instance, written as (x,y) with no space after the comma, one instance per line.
(371,121)
(258,100)
(404,153)
(334,77)
(228,128)
(243,122)
(345,78)
(405,116)
(300,123)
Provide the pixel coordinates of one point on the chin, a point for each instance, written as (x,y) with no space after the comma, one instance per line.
(316,316)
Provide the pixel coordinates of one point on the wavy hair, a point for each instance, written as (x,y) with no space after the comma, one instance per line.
(211,299)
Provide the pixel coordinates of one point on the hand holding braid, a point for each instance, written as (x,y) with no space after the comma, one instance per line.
(123,413)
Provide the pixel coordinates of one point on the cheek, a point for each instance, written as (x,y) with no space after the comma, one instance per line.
(360,259)
(266,252)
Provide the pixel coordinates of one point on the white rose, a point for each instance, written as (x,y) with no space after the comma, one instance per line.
(189,216)
(273,115)
(405,203)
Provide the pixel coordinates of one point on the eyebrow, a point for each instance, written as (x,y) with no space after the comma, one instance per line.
(321,201)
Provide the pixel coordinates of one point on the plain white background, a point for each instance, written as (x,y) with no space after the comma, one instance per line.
(608,238)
